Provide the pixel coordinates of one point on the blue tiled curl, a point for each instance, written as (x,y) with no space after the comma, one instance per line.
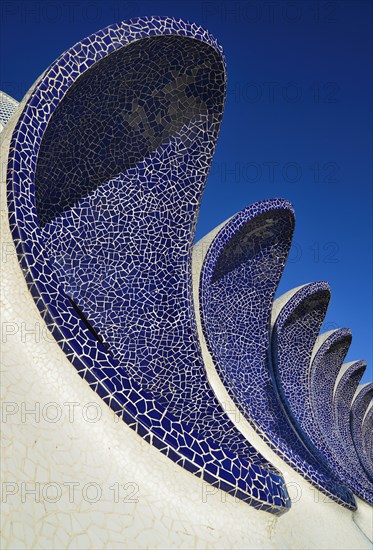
(367,436)
(294,334)
(104,186)
(321,427)
(346,384)
(360,404)
(239,277)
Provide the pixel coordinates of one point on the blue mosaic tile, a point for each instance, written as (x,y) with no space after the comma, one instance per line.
(306,384)
(361,402)
(107,167)
(367,437)
(321,427)
(239,277)
(295,331)
(346,385)
(315,419)
(104,186)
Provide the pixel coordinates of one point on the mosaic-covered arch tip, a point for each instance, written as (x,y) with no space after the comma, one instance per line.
(107,166)
(237,268)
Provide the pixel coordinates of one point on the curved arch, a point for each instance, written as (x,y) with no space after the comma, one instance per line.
(368,441)
(340,439)
(346,384)
(306,367)
(362,399)
(297,318)
(327,360)
(105,249)
(326,363)
(239,276)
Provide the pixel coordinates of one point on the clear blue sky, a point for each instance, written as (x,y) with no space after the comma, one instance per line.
(297,122)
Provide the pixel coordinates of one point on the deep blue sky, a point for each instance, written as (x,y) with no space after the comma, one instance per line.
(297,122)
